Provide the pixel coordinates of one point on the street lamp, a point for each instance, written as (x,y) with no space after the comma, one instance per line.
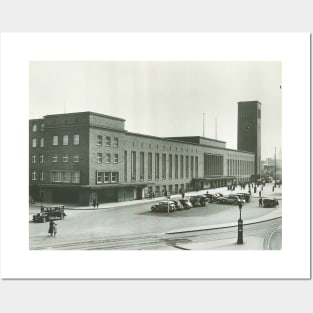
(240,226)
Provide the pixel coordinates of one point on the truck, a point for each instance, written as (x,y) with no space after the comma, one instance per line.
(47,214)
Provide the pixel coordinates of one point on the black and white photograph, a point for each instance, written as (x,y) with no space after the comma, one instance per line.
(155,155)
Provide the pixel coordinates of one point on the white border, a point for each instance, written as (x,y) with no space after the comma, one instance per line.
(17,50)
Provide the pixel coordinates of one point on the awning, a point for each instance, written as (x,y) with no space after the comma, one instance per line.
(212,178)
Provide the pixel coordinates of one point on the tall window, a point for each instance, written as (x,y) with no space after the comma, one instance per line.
(107,158)
(65,140)
(142,166)
(115,158)
(42,142)
(76,139)
(157,166)
(76,177)
(176,166)
(115,142)
(75,157)
(55,140)
(181,166)
(42,127)
(33,158)
(34,143)
(163,166)
(196,167)
(187,166)
(125,165)
(34,127)
(170,166)
(99,157)
(65,157)
(108,141)
(41,175)
(41,158)
(99,140)
(133,165)
(114,177)
(149,165)
(34,175)
(191,167)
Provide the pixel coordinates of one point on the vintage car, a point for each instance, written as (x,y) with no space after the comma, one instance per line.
(164,206)
(213,197)
(49,213)
(185,203)
(178,205)
(270,203)
(242,195)
(230,200)
(198,201)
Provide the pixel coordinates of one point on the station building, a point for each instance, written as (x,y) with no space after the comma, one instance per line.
(80,157)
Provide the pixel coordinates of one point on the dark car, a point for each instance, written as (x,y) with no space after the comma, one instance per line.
(270,203)
(213,197)
(164,206)
(230,200)
(243,195)
(178,205)
(198,200)
(185,203)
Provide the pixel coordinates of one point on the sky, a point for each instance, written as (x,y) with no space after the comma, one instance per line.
(164,99)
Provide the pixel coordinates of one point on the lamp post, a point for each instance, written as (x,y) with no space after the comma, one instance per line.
(240,226)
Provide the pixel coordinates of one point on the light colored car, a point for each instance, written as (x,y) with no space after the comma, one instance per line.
(164,206)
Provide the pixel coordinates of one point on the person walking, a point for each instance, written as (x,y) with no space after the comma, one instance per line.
(97,204)
(260,202)
(52,228)
(94,203)
(260,193)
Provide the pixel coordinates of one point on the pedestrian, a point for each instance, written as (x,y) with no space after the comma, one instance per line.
(183,195)
(97,204)
(94,203)
(260,193)
(273,189)
(153,195)
(260,202)
(52,228)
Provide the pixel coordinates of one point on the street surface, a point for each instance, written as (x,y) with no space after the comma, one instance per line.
(134,226)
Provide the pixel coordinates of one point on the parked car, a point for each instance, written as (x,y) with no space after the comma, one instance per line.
(243,195)
(185,203)
(49,213)
(164,206)
(270,203)
(230,200)
(198,200)
(178,205)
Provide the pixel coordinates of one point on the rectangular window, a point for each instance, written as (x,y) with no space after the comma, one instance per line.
(163,166)
(75,177)
(99,140)
(56,176)
(187,166)
(99,157)
(142,166)
(65,157)
(133,165)
(76,139)
(196,167)
(108,141)
(42,127)
(115,142)
(115,158)
(66,177)
(65,140)
(75,157)
(33,158)
(42,142)
(157,166)
(55,140)
(34,143)
(34,175)
(34,127)
(41,158)
(107,158)
(149,165)
(176,166)
(41,175)
(114,177)
(100,177)
(55,158)
(107,177)
(170,166)
(125,165)
(181,166)
(191,167)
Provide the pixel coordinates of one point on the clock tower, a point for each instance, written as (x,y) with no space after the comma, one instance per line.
(249,130)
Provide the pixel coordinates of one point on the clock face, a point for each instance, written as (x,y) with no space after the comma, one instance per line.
(247,126)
